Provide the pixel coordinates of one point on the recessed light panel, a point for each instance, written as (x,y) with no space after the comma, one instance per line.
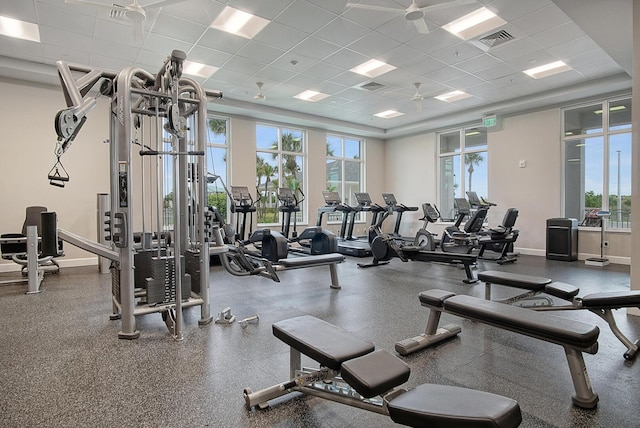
(452,96)
(240,23)
(19,29)
(388,114)
(474,24)
(198,69)
(547,70)
(373,68)
(312,96)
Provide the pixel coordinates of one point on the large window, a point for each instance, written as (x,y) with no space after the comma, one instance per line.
(597,153)
(345,167)
(280,161)
(217,137)
(463,166)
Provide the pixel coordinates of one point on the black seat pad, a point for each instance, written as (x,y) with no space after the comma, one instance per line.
(323,342)
(306,261)
(612,300)
(535,283)
(547,327)
(375,373)
(443,406)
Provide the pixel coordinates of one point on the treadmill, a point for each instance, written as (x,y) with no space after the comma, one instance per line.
(399,209)
(355,248)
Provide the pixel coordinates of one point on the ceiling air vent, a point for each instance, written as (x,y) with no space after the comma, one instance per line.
(495,39)
(370,86)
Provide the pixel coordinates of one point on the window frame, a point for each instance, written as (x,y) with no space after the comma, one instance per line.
(605,134)
(302,215)
(346,198)
(226,211)
(462,150)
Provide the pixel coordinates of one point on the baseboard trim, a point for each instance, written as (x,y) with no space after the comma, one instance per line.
(64,263)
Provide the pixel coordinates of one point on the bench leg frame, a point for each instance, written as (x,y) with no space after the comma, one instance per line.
(430,337)
(324,383)
(632,347)
(584,396)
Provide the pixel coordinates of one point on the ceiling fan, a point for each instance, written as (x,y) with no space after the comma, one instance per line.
(259,96)
(413,13)
(417,97)
(133,12)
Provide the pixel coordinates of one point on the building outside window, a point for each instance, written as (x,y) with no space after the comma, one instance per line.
(280,162)
(597,154)
(345,169)
(463,167)
(217,139)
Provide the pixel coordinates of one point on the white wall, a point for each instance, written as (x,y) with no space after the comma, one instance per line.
(26,156)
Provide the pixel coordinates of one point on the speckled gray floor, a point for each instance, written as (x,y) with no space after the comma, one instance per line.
(62,365)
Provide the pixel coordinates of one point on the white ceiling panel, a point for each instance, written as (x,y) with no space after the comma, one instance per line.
(312,44)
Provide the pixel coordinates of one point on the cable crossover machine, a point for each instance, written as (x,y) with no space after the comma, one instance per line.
(158,244)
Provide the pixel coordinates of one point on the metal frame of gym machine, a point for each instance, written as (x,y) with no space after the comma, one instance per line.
(177,107)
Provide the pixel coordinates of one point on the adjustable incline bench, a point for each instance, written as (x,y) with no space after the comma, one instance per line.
(600,304)
(352,373)
(575,337)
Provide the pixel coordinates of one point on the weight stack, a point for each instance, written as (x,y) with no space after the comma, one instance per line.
(192,267)
(161,288)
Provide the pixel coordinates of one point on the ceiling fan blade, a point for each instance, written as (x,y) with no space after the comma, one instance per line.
(372,7)
(162,3)
(421,25)
(417,104)
(446,5)
(138,31)
(93,3)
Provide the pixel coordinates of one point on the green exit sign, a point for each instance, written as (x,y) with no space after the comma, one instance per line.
(489,121)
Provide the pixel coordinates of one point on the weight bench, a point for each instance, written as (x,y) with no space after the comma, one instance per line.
(575,337)
(351,372)
(600,304)
(331,259)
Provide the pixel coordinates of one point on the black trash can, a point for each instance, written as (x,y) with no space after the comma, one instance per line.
(562,239)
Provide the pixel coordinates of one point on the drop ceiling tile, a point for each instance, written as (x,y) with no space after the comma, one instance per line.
(541,20)
(436,40)
(368,18)
(346,59)
(305,81)
(341,32)
(573,47)
(53,53)
(465,82)
(510,10)
(21,49)
(266,9)
(397,77)
(233,77)
(532,59)
(151,61)
(589,57)
(177,28)
(335,6)
(515,49)
(400,56)
(294,62)
(201,12)
(558,35)
(424,64)
(399,29)
(280,36)
(61,37)
(164,45)
(457,53)
(478,63)
(22,10)
(260,52)
(445,75)
(58,17)
(116,50)
(75,8)
(323,70)
(315,48)
(305,16)
(244,65)
(373,44)
(219,40)
(349,79)
(119,31)
(108,63)
(208,56)
(600,69)
(500,70)
(510,80)
(275,73)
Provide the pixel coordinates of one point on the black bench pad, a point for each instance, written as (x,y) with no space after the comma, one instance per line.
(323,342)
(443,406)
(534,283)
(375,373)
(434,297)
(525,321)
(562,290)
(612,300)
(307,261)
